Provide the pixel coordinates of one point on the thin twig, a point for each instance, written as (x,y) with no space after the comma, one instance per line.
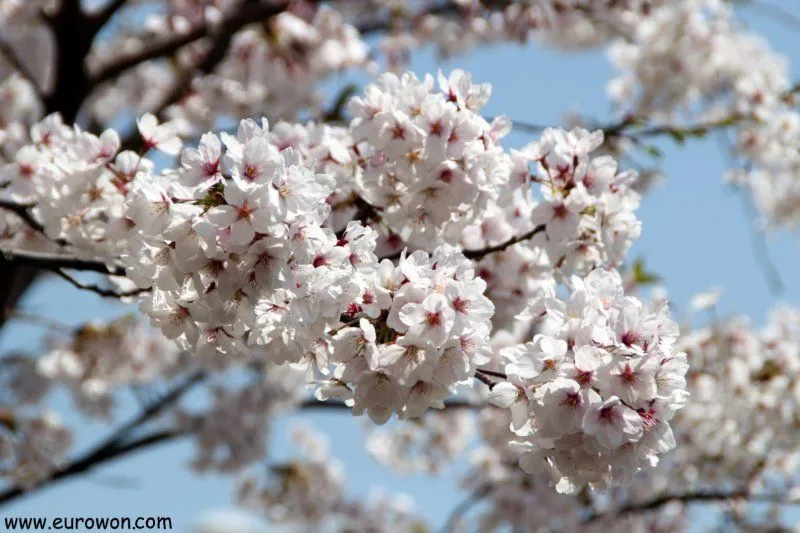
(313,403)
(118,443)
(483,252)
(105,293)
(460,510)
(769,270)
(486,380)
(23,211)
(760,249)
(479,254)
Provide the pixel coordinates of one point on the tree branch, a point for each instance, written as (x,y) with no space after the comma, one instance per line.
(313,403)
(480,254)
(100,18)
(23,211)
(17,64)
(248,13)
(483,252)
(457,514)
(55,261)
(105,293)
(87,463)
(687,497)
(117,444)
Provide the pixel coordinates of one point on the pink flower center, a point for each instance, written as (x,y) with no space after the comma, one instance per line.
(572,400)
(608,414)
(433,319)
(461,305)
(630,338)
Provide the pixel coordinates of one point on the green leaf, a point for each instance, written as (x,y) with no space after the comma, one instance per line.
(641,276)
(652,151)
(679,136)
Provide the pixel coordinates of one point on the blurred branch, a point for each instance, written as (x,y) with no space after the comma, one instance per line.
(87,463)
(100,18)
(249,12)
(154,51)
(118,443)
(688,497)
(760,249)
(11,56)
(460,510)
(775,12)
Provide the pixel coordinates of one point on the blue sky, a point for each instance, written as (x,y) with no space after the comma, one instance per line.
(696,235)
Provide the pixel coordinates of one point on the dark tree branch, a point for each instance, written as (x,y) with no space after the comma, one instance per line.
(687,497)
(493,373)
(480,254)
(249,12)
(100,18)
(88,463)
(313,403)
(105,293)
(119,443)
(23,211)
(55,262)
(483,252)
(154,51)
(486,380)
(73,40)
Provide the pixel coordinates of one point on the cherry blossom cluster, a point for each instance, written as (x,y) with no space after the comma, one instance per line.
(233,432)
(570,24)
(520,273)
(430,334)
(685,53)
(429,161)
(687,58)
(582,217)
(310,491)
(749,439)
(273,70)
(593,394)
(34,447)
(102,357)
(428,444)
(77,186)
(587,205)
(517,498)
(232,240)
(233,245)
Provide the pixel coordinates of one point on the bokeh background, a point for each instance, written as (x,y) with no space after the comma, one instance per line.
(698,234)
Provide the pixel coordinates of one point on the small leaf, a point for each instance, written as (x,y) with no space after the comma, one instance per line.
(641,276)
